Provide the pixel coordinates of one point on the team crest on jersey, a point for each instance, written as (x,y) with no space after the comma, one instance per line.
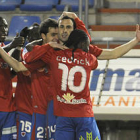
(23,134)
(69,98)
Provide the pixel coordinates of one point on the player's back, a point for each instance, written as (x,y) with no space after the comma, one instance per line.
(71,79)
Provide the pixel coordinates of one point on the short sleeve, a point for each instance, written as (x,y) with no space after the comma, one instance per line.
(94,62)
(94,50)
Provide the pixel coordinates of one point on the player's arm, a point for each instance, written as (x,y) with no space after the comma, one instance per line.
(16,45)
(19,66)
(17,55)
(16,65)
(17,41)
(122,49)
(38,51)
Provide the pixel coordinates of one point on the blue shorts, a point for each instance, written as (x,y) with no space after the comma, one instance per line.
(39,130)
(77,128)
(51,122)
(8,130)
(24,122)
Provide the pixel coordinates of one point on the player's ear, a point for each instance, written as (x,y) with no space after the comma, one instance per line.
(43,36)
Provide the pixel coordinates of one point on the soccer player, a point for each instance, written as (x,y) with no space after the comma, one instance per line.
(23,89)
(7,100)
(72,94)
(40,83)
(70,73)
(66,24)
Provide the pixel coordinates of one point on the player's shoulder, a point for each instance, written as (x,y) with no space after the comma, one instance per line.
(91,57)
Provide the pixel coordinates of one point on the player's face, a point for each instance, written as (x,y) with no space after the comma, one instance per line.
(51,36)
(3,30)
(65,27)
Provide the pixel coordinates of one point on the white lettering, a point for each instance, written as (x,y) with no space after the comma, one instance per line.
(64,59)
(69,60)
(58,58)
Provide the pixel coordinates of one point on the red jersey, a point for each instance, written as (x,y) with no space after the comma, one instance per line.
(39,85)
(23,94)
(70,79)
(80,25)
(40,82)
(7,101)
(92,48)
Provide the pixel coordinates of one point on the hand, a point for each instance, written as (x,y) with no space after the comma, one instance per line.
(56,45)
(18,41)
(69,14)
(137,33)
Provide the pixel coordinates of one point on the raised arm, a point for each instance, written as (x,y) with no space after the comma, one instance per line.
(38,51)
(122,49)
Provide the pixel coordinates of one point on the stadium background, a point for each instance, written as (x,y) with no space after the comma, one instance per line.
(115,84)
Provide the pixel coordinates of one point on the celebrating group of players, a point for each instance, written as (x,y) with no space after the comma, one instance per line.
(52,97)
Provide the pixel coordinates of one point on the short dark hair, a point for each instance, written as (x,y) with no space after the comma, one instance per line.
(46,24)
(66,17)
(33,32)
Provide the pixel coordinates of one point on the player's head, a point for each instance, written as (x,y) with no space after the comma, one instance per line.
(3,29)
(49,30)
(65,26)
(33,33)
(78,39)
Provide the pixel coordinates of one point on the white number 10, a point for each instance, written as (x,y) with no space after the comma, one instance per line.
(68,78)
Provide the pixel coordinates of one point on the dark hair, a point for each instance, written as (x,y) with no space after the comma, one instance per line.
(46,24)
(33,32)
(77,39)
(66,17)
